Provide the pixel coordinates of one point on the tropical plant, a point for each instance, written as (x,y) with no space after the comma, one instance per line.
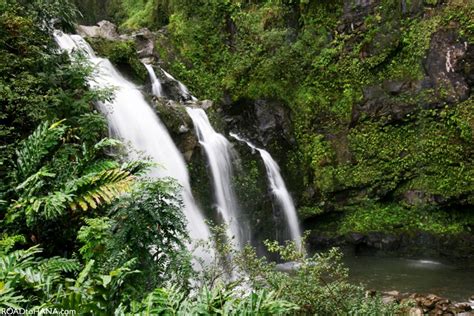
(26,279)
(57,180)
(148,224)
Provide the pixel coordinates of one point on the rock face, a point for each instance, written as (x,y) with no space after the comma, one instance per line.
(145,41)
(444,65)
(103,29)
(448,79)
(451,248)
(179,125)
(264,122)
(143,38)
(354,11)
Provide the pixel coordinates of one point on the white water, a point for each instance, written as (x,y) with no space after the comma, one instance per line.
(279,191)
(131,119)
(182,88)
(156,88)
(220,156)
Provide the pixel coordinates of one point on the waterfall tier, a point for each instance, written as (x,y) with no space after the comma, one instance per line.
(220,157)
(131,119)
(279,190)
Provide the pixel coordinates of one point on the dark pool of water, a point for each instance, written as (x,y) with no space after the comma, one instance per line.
(414,276)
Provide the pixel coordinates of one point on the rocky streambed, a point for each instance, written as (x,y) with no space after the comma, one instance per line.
(431,304)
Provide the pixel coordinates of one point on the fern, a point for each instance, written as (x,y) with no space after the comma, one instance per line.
(107,142)
(21,271)
(38,145)
(58,264)
(8,242)
(92,190)
(138,167)
(101,165)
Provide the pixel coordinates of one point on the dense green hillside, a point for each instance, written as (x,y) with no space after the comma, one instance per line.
(380,122)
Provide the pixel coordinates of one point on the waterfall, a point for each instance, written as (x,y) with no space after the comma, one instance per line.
(156,88)
(278,189)
(131,119)
(182,88)
(220,156)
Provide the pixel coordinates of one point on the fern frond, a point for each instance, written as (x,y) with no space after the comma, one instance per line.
(33,149)
(103,187)
(59,264)
(138,167)
(101,166)
(49,206)
(107,142)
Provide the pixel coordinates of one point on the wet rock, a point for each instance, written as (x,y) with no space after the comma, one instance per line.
(205,104)
(392,293)
(183,129)
(179,126)
(442,65)
(430,301)
(267,124)
(356,238)
(103,29)
(145,41)
(389,299)
(415,311)
(411,7)
(385,41)
(418,197)
(354,11)
(394,87)
(272,117)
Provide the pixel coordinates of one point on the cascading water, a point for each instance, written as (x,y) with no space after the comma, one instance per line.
(156,87)
(131,118)
(220,156)
(278,189)
(182,88)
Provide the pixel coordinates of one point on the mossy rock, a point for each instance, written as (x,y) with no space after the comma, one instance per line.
(123,54)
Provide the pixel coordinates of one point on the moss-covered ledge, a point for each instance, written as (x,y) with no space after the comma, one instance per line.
(123,54)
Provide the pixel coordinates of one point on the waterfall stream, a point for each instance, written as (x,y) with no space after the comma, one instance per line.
(156,87)
(279,190)
(139,125)
(132,119)
(220,156)
(182,88)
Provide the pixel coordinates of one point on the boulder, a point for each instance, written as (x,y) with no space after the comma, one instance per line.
(103,29)
(444,62)
(415,311)
(145,41)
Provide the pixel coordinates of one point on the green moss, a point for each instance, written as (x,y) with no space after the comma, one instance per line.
(122,54)
(396,218)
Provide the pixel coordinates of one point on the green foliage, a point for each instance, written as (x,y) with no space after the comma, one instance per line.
(55,177)
(317,284)
(129,14)
(26,279)
(37,82)
(396,218)
(53,13)
(33,150)
(146,224)
(297,52)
